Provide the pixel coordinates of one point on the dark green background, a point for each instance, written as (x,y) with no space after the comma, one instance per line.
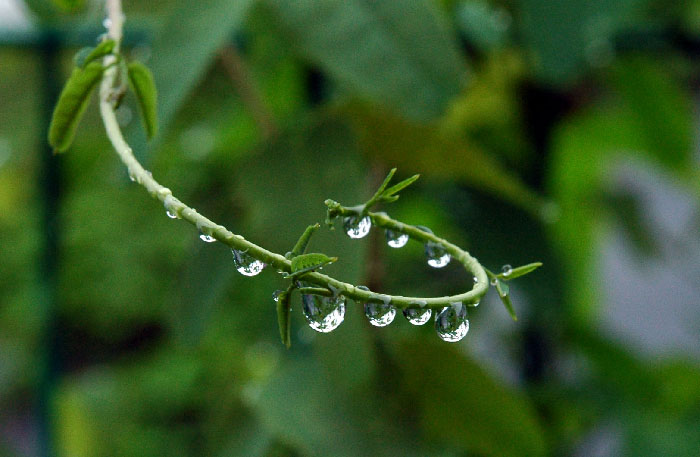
(559,131)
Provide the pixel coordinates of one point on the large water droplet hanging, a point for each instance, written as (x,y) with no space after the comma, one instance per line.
(506,270)
(171,215)
(246,264)
(452,323)
(437,256)
(380,314)
(396,239)
(357,227)
(417,316)
(324,314)
(206,238)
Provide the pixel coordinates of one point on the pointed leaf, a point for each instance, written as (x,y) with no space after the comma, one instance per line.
(284,317)
(71,105)
(89,54)
(400,186)
(300,246)
(504,295)
(144,87)
(379,191)
(520,271)
(307,262)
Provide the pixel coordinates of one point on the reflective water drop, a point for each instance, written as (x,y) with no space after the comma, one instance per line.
(107,23)
(396,239)
(451,322)
(246,264)
(356,227)
(437,256)
(507,270)
(132,178)
(206,238)
(276,295)
(417,316)
(324,314)
(494,281)
(380,314)
(170,215)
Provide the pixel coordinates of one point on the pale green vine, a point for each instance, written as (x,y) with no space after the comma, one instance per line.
(295,265)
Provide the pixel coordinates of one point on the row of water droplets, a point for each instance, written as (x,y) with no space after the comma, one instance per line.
(325,314)
(245,263)
(358,227)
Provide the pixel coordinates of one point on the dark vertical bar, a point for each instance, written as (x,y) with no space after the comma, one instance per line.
(49,184)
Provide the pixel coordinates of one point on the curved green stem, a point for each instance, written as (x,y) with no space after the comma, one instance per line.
(238,242)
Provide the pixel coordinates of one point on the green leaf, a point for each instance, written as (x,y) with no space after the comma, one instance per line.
(284,320)
(400,54)
(71,105)
(303,242)
(183,49)
(400,186)
(459,405)
(308,262)
(89,54)
(504,294)
(520,271)
(144,87)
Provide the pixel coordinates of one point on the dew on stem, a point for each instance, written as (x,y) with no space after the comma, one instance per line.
(396,239)
(324,314)
(452,323)
(436,254)
(417,315)
(357,227)
(246,264)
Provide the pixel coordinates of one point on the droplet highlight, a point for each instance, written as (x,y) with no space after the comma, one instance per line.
(396,239)
(206,238)
(437,256)
(246,264)
(506,270)
(357,227)
(380,314)
(171,215)
(417,316)
(452,323)
(324,314)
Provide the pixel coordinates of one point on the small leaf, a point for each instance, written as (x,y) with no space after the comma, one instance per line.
(144,87)
(87,55)
(400,186)
(284,317)
(308,262)
(520,271)
(71,105)
(504,295)
(300,246)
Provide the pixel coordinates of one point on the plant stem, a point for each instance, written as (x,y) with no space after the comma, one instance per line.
(279,262)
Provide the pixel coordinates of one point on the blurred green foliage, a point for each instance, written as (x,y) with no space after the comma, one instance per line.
(516,114)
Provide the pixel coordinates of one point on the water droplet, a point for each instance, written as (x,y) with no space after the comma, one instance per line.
(246,264)
(276,295)
(324,314)
(107,23)
(206,238)
(451,322)
(380,314)
(132,177)
(356,227)
(171,215)
(494,281)
(476,280)
(437,256)
(396,239)
(417,316)
(507,270)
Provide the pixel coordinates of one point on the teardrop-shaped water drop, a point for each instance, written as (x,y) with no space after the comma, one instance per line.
(206,238)
(357,227)
(246,264)
(171,215)
(452,322)
(324,314)
(437,256)
(417,315)
(396,239)
(506,270)
(380,314)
